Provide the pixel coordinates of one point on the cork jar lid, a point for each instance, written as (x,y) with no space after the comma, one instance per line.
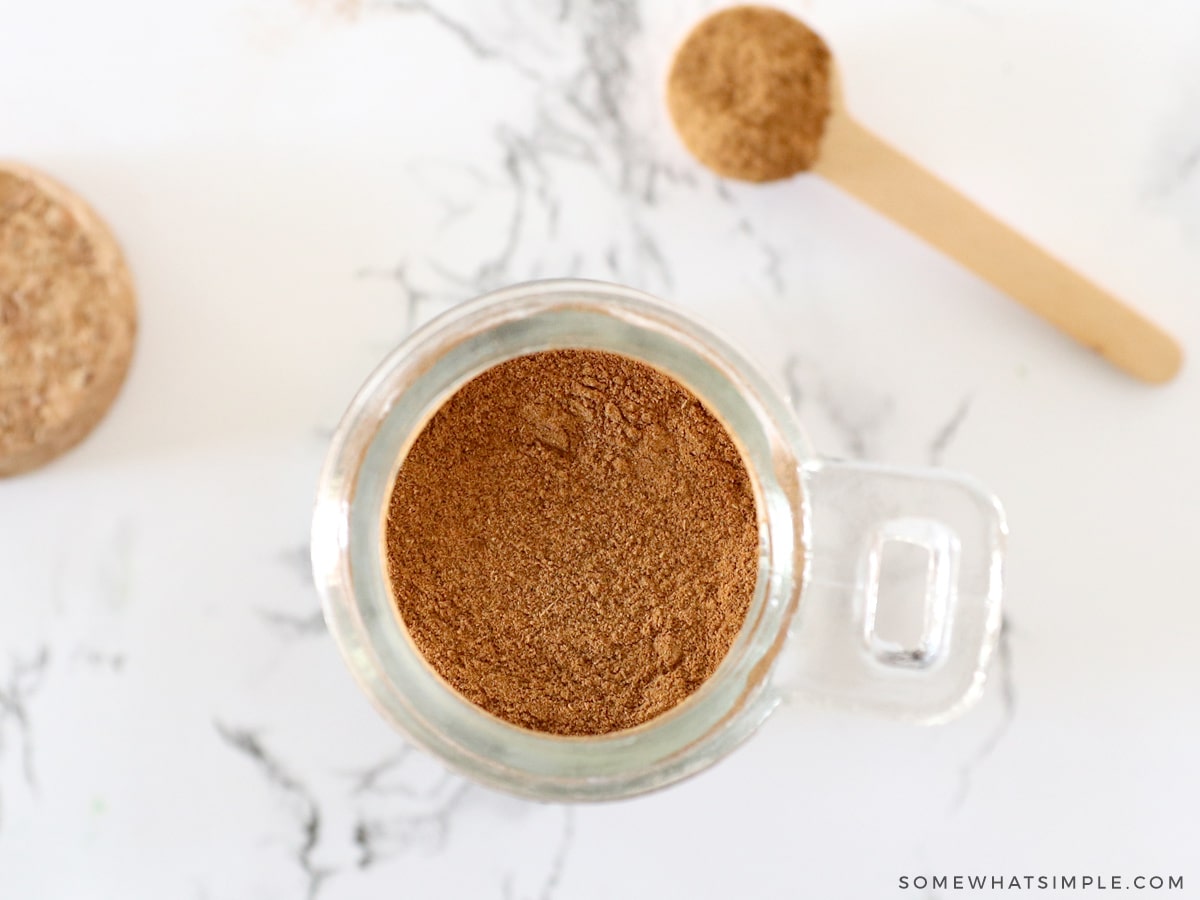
(68,319)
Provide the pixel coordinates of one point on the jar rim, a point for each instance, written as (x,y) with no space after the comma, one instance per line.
(368,447)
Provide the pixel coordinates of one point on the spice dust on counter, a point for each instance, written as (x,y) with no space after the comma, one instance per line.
(572,542)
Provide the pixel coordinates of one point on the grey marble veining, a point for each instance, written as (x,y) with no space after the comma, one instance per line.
(25,678)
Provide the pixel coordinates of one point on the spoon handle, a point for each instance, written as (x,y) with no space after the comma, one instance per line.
(888,181)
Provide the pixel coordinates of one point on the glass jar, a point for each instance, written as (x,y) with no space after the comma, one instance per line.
(824,578)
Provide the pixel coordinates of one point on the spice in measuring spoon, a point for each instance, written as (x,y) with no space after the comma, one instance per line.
(752,92)
(749,93)
(572,542)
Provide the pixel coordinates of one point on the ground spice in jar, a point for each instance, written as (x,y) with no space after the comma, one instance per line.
(572,542)
(67,319)
(749,92)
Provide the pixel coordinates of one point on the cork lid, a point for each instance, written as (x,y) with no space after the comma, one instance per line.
(67,319)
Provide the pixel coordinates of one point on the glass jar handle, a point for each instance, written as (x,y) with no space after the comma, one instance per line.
(836,649)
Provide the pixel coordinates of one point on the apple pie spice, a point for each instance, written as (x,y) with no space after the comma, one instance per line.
(749,93)
(572,542)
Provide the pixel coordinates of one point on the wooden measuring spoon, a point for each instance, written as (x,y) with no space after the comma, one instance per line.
(753,95)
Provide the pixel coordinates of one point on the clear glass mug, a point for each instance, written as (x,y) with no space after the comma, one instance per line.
(825,528)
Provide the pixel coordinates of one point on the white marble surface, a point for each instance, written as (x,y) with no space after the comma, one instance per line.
(296,183)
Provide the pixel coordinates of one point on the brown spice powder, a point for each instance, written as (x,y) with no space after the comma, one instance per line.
(749,92)
(572,542)
(67,319)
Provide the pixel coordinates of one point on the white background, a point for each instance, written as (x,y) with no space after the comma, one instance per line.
(295,184)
